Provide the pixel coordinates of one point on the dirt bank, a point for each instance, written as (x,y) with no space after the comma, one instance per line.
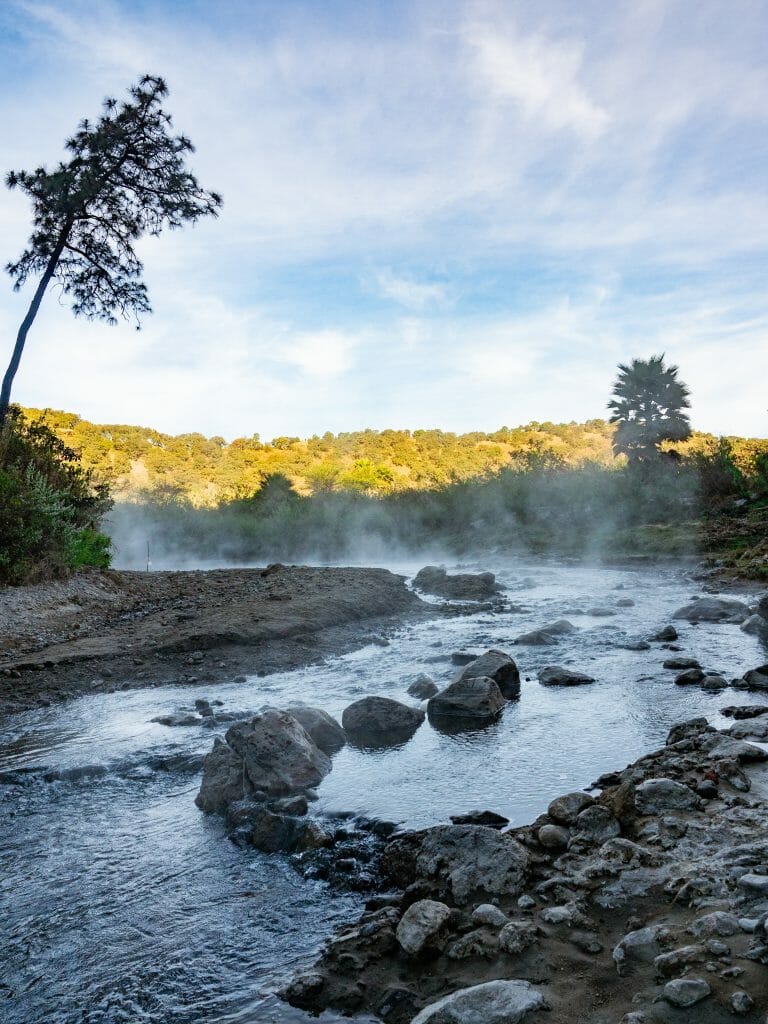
(102,631)
(643,903)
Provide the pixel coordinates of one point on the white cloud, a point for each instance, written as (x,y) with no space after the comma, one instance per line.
(410,293)
(323,354)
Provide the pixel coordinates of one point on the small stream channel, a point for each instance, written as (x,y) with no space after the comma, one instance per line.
(121,902)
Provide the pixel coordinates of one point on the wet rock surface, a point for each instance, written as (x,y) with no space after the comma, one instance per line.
(380,721)
(435,580)
(642,900)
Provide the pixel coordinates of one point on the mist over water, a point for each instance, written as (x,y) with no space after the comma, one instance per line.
(122,902)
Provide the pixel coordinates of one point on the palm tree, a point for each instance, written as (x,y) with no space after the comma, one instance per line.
(649,407)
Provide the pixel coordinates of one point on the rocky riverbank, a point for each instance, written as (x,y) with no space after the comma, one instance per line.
(643,901)
(107,630)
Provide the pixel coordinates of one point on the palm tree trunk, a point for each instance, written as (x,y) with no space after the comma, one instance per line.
(34,306)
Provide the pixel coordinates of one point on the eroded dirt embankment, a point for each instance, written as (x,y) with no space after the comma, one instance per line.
(102,631)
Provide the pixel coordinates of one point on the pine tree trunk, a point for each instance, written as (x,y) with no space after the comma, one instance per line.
(34,306)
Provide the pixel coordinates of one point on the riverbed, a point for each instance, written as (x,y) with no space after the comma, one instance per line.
(122,902)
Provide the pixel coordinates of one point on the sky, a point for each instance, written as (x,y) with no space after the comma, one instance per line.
(451,213)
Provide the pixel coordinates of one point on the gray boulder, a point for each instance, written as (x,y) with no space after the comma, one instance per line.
(471,859)
(470,698)
(565,809)
(713,609)
(499,667)
(494,1002)
(655,796)
(278,755)
(755,625)
(274,833)
(423,687)
(685,992)
(555,675)
(562,627)
(380,721)
(641,946)
(666,635)
(223,781)
(681,663)
(595,824)
(536,638)
(324,731)
(423,927)
(691,677)
(754,679)
(435,580)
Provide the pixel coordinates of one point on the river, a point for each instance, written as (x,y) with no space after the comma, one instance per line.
(121,902)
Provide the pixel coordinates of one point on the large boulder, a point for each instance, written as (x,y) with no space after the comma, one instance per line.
(566,809)
(380,721)
(278,755)
(494,1002)
(468,698)
(713,609)
(755,625)
(465,586)
(223,781)
(656,796)
(324,731)
(554,675)
(499,667)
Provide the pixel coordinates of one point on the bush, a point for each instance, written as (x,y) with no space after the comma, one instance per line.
(49,505)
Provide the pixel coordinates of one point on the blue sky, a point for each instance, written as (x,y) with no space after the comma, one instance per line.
(437,214)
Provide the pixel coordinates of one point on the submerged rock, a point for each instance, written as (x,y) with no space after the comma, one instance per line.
(713,609)
(494,1002)
(536,638)
(423,687)
(380,721)
(555,675)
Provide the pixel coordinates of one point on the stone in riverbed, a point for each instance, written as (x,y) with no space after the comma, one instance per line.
(666,635)
(536,638)
(489,818)
(435,580)
(423,927)
(754,679)
(223,780)
(499,667)
(488,914)
(655,796)
(553,837)
(596,824)
(471,698)
(640,946)
(691,677)
(755,625)
(278,755)
(494,1002)
(713,609)
(681,663)
(555,675)
(560,628)
(380,721)
(324,731)
(423,687)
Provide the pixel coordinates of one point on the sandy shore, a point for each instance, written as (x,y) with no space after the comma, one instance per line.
(102,631)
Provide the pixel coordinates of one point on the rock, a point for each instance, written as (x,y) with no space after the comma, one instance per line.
(462,658)
(755,884)
(559,628)
(553,837)
(688,730)
(565,809)
(713,609)
(516,936)
(596,824)
(273,833)
(681,663)
(482,942)
(277,753)
(423,926)
(488,914)
(636,645)
(755,625)
(666,635)
(754,679)
(674,963)
(325,731)
(640,946)
(601,612)
(716,923)
(713,682)
(463,586)
(380,721)
(554,675)
(745,711)
(526,902)
(499,667)
(751,728)
(293,805)
(468,859)
(690,677)
(178,718)
(223,781)
(565,914)
(494,1002)
(686,991)
(489,818)
(587,942)
(536,638)
(423,688)
(741,1002)
(470,698)
(655,796)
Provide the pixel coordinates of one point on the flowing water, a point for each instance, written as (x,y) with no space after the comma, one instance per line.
(121,902)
